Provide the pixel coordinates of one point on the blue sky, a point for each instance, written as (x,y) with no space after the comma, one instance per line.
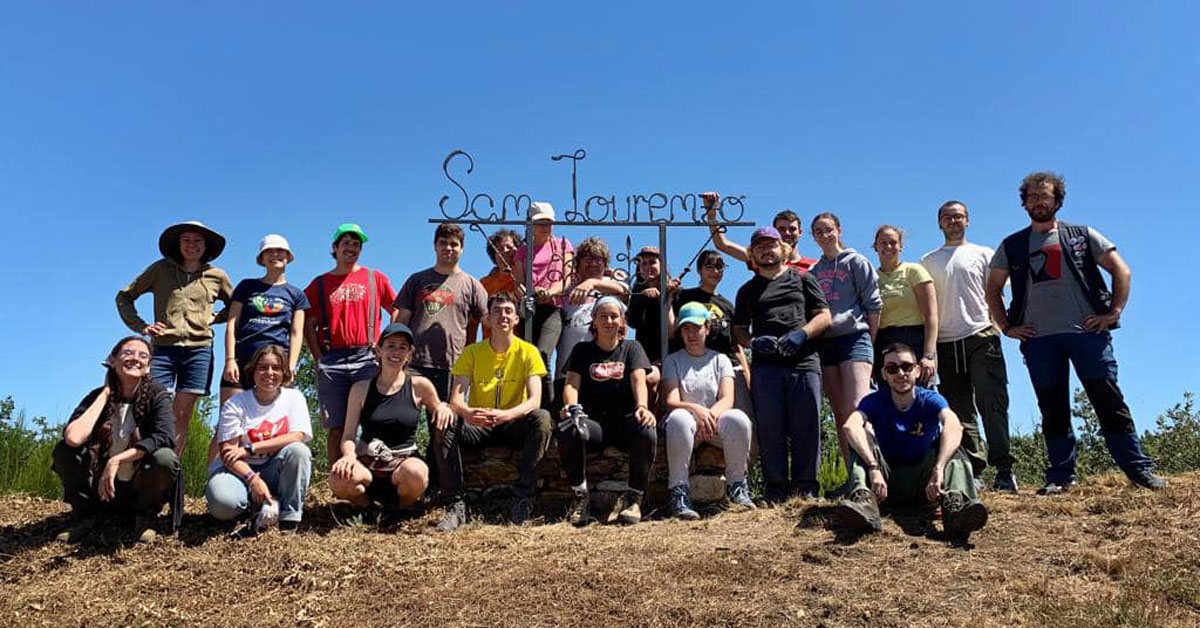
(119,119)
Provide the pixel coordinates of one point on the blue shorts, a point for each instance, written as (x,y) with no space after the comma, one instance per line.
(852,347)
(183,369)
(337,372)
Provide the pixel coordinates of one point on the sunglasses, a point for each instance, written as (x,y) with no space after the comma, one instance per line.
(893,368)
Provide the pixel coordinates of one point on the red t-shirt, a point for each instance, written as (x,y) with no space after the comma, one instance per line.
(804,263)
(346,299)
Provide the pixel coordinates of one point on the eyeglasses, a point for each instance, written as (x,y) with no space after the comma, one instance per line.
(1034,198)
(896,367)
(716,265)
(130,353)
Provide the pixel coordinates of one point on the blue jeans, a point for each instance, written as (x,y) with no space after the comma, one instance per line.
(337,372)
(286,474)
(183,369)
(787,420)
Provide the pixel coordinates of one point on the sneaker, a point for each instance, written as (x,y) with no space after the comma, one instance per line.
(1005,481)
(145,530)
(289,527)
(631,508)
(1054,488)
(681,504)
(78,531)
(738,494)
(860,511)
(521,509)
(962,515)
(1146,478)
(455,515)
(581,507)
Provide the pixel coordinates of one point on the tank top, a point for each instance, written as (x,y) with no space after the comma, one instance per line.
(390,418)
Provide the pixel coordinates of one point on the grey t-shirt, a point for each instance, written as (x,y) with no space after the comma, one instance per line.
(441,305)
(1056,303)
(699,377)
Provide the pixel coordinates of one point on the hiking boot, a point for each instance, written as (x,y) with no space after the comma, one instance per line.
(521,510)
(289,527)
(860,511)
(681,504)
(1005,481)
(455,515)
(1146,478)
(738,494)
(631,508)
(581,508)
(962,515)
(144,529)
(78,531)
(1054,488)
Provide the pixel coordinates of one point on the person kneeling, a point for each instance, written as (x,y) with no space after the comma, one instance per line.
(264,461)
(496,397)
(383,465)
(914,459)
(699,397)
(125,432)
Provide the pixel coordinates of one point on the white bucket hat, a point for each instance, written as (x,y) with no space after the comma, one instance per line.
(541,210)
(274,241)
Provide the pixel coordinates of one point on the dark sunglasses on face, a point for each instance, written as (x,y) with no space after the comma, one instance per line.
(893,368)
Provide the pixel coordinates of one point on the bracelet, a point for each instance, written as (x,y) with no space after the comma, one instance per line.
(874,466)
(249,477)
(931,356)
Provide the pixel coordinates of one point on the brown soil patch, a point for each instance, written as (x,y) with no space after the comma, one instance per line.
(1104,555)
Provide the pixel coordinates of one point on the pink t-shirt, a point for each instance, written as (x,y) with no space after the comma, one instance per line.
(549,263)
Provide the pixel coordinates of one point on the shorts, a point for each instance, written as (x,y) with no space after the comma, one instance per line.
(245,377)
(852,347)
(381,489)
(337,372)
(183,369)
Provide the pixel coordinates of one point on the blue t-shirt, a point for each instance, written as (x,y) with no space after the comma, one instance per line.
(904,437)
(266,315)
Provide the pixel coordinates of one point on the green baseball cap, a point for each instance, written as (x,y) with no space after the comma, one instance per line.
(349,227)
(694,313)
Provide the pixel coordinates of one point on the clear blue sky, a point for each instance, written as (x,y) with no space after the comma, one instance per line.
(118,119)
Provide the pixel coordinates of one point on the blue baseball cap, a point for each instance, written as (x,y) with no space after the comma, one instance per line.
(693,312)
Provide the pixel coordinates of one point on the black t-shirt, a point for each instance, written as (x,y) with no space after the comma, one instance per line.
(604,388)
(774,307)
(720,339)
(643,315)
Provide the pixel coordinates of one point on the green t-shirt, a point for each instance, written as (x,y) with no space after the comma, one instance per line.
(498,379)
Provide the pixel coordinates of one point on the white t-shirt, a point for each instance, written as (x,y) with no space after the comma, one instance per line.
(699,377)
(122,432)
(959,273)
(242,417)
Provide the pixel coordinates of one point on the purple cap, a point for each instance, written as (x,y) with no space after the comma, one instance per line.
(765,232)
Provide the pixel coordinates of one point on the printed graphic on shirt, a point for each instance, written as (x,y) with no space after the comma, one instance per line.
(267,304)
(602,371)
(828,277)
(267,429)
(435,298)
(348,292)
(1046,264)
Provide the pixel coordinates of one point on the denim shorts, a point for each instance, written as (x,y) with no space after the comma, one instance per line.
(183,369)
(852,347)
(338,371)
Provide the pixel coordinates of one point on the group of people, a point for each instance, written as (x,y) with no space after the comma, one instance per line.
(736,374)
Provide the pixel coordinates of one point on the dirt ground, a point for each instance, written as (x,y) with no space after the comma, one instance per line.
(1104,555)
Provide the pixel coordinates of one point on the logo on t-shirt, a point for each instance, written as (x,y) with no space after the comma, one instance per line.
(1046,264)
(267,304)
(436,297)
(602,371)
(267,429)
(348,292)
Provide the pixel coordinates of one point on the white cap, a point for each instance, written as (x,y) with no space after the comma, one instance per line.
(541,210)
(274,241)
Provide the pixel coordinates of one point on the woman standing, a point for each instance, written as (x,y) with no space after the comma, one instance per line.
(851,288)
(116,450)
(606,377)
(263,456)
(383,464)
(910,313)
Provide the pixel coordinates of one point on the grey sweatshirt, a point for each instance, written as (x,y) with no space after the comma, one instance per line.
(851,287)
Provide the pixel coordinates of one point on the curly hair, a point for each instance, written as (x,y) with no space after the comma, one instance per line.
(492,245)
(143,395)
(1038,178)
(592,246)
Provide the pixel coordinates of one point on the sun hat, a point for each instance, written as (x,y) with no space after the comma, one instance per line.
(648,250)
(168,242)
(540,211)
(349,227)
(274,241)
(765,233)
(396,328)
(693,312)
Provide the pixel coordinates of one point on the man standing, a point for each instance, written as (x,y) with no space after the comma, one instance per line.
(915,459)
(496,398)
(441,305)
(1062,312)
(786,222)
(970,362)
(783,308)
(349,304)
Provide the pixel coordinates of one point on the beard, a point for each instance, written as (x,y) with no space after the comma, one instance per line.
(1039,214)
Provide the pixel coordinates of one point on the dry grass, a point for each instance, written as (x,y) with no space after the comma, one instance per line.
(1104,555)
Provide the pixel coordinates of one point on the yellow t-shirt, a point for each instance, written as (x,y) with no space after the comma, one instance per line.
(498,379)
(900,307)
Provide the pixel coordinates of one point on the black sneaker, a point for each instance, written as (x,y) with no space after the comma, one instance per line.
(455,516)
(1146,478)
(962,515)
(860,511)
(78,531)
(581,508)
(1005,481)
(1054,488)
(521,510)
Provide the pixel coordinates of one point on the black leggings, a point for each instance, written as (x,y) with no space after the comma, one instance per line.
(624,433)
(547,327)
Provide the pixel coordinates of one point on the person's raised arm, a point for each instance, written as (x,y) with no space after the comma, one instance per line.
(79,429)
(712,202)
